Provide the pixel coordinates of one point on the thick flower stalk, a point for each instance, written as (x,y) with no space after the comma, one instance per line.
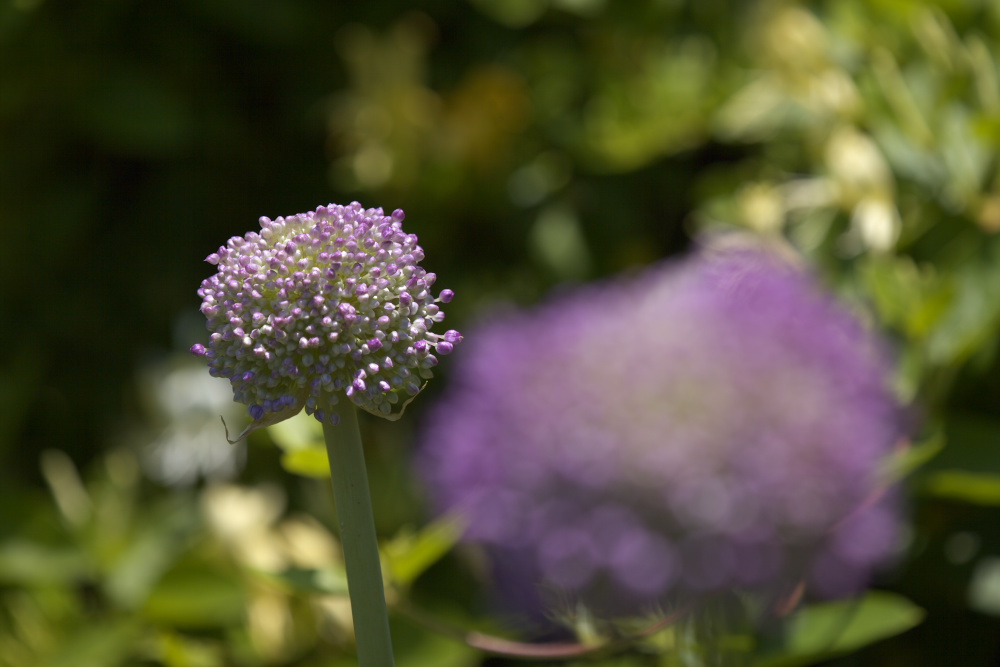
(321,305)
(708,426)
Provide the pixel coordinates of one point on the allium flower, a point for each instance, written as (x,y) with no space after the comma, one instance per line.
(322,304)
(710,425)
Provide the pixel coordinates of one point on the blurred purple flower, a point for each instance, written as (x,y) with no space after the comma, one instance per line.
(705,426)
(321,304)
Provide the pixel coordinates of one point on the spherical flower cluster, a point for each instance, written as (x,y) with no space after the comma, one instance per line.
(321,304)
(712,425)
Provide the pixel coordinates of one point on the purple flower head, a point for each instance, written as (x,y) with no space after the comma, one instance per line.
(318,305)
(710,425)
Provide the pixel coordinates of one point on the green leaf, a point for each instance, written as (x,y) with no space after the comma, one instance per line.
(298,432)
(28,563)
(909,297)
(416,646)
(972,444)
(972,320)
(512,13)
(196,597)
(324,582)
(433,649)
(311,462)
(972,487)
(104,644)
(163,535)
(176,650)
(905,462)
(301,438)
(822,631)
(410,555)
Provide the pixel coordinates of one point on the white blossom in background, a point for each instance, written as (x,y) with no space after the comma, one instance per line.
(185,441)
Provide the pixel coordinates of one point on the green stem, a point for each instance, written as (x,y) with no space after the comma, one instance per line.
(357,534)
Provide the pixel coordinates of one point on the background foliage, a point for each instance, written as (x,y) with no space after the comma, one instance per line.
(533,143)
